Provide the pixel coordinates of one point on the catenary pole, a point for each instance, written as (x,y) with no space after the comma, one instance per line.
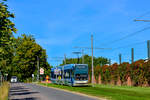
(119,58)
(65,59)
(92,61)
(148,49)
(109,62)
(82,56)
(132,54)
(38,68)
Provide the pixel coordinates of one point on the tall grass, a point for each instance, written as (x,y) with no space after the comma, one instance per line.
(4,90)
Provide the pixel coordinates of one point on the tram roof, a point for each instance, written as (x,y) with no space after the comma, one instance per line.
(67,66)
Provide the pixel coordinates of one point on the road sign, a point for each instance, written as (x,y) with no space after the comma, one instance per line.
(57,71)
(41,71)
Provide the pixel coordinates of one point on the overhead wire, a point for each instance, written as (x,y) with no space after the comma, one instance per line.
(127,36)
(130,35)
(148,12)
(126,46)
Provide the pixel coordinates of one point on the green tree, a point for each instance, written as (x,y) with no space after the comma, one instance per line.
(7,28)
(26,56)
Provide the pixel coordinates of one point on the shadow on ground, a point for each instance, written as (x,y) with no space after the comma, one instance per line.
(26,99)
(25,93)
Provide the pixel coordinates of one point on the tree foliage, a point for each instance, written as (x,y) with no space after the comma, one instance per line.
(7,28)
(28,52)
(18,56)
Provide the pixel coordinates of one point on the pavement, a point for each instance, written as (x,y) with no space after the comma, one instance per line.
(27,91)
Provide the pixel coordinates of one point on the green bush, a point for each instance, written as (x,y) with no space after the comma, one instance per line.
(139,72)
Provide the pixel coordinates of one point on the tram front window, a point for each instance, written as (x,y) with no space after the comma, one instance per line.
(81,77)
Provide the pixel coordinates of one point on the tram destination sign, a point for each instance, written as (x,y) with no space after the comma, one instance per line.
(57,71)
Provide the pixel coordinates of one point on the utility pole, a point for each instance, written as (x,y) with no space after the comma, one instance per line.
(148,42)
(92,60)
(119,58)
(132,54)
(65,59)
(82,56)
(63,74)
(92,48)
(38,68)
(109,62)
(148,49)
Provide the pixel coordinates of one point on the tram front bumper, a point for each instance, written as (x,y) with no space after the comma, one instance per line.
(80,83)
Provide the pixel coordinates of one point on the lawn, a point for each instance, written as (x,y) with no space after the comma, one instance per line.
(110,92)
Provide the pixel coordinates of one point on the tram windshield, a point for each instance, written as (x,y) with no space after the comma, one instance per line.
(81,72)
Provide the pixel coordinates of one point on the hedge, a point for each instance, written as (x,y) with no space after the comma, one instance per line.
(137,73)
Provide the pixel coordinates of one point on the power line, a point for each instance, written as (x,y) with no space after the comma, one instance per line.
(111,35)
(91,48)
(129,35)
(144,14)
(126,46)
(137,19)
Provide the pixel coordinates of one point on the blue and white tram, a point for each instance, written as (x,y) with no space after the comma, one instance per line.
(71,74)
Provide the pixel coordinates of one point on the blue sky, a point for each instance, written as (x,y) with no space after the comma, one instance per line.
(59,25)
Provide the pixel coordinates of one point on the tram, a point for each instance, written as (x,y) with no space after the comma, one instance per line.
(70,74)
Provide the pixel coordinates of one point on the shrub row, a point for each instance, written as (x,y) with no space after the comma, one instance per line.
(136,74)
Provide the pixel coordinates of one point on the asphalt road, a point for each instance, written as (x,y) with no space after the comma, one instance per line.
(23,91)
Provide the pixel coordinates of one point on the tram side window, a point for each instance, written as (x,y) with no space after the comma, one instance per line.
(67,73)
(61,73)
(52,74)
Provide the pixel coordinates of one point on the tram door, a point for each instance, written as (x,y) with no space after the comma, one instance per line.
(72,75)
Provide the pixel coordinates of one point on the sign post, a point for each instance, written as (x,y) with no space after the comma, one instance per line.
(41,72)
(32,77)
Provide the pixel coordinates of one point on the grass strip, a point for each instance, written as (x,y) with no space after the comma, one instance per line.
(4,90)
(110,92)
